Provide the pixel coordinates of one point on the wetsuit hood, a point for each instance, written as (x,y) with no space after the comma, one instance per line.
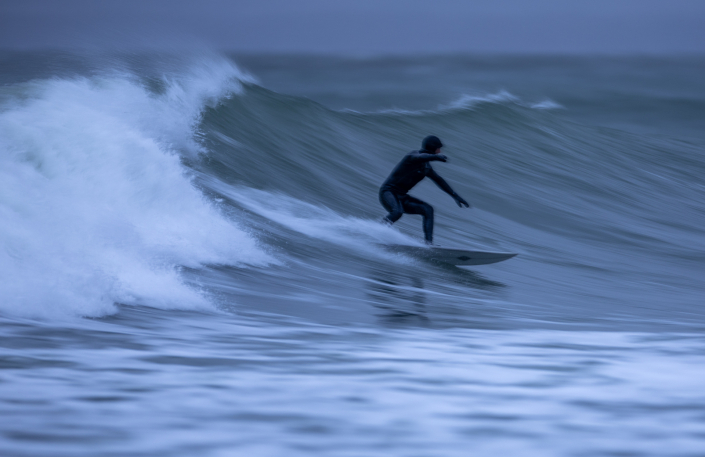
(431,143)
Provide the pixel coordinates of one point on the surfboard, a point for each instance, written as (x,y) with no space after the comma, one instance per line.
(458,257)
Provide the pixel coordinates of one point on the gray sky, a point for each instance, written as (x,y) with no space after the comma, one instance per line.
(360,27)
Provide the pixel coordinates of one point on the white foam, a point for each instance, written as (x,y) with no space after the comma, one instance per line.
(95,205)
(316,221)
(547,104)
(467,101)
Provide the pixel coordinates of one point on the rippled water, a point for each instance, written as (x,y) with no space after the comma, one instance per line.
(192,260)
(177,383)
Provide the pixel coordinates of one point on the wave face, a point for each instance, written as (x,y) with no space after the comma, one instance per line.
(188,183)
(606,221)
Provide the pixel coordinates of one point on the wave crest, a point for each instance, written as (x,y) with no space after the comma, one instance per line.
(96,205)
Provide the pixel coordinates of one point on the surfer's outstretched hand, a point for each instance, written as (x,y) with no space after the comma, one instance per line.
(461,201)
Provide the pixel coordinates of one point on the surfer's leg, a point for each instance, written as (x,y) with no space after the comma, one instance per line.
(392,204)
(413,205)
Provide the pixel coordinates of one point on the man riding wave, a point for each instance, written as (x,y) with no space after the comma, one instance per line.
(410,171)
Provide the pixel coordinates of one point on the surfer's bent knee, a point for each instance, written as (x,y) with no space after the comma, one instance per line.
(392,204)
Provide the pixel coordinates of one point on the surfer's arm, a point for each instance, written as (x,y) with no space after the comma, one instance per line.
(425,157)
(440,182)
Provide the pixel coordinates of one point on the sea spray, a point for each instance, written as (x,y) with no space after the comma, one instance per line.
(96,205)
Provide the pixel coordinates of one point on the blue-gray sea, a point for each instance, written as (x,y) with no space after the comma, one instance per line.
(192,260)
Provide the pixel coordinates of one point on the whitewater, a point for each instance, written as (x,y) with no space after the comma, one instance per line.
(192,261)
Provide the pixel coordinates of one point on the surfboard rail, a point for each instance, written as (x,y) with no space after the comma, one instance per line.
(453,256)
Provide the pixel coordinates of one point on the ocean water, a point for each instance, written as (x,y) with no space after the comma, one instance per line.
(192,260)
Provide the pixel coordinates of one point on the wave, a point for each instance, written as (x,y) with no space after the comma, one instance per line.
(535,169)
(111,184)
(96,205)
(266,140)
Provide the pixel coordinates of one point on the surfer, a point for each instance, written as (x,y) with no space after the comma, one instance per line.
(413,168)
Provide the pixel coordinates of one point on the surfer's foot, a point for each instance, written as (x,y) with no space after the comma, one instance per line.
(430,243)
(386,221)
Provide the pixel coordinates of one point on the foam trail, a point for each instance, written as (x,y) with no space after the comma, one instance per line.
(95,204)
(315,221)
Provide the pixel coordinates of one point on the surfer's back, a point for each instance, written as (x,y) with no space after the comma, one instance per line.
(411,169)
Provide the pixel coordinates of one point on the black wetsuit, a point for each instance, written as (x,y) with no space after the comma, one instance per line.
(414,167)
